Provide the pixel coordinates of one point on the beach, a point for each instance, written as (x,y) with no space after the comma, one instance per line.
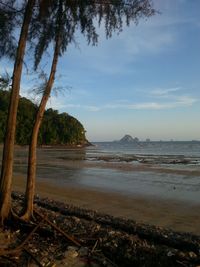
(149,192)
(178,216)
(120,210)
(83,237)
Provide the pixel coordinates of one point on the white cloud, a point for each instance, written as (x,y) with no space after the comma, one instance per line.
(86,107)
(60,104)
(187,100)
(182,101)
(161,98)
(56,103)
(164,91)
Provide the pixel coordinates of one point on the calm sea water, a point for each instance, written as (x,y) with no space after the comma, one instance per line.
(169,170)
(187,149)
(170,153)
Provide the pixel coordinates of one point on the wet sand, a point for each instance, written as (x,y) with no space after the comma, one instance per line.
(179,216)
(117,188)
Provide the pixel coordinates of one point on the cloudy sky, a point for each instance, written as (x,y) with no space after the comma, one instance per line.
(144,82)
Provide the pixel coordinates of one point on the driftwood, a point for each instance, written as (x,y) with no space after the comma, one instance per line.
(22,246)
(33,257)
(117,241)
(155,234)
(70,238)
(17,250)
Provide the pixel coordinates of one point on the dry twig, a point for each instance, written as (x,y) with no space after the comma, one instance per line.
(16,250)
(58,229)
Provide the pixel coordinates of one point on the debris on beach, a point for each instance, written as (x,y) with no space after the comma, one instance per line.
(63,235)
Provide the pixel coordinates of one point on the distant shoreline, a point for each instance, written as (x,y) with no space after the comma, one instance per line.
(56,146)
(151,141)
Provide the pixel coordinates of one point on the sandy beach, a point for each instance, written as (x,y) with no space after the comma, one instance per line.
(148,193)
(154,205)
(175,215)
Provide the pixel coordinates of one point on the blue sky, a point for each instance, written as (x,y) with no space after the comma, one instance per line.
(144,82)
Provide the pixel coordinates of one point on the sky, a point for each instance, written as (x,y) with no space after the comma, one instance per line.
(144,82)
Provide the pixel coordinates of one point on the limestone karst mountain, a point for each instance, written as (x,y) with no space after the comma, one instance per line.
(128,139)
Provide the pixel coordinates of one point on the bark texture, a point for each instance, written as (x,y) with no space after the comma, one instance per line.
(31,175)
(8,151)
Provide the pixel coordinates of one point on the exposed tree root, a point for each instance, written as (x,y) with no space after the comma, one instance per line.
(70,238)
(33,257)
(17,250)
(27,217)
(104,240)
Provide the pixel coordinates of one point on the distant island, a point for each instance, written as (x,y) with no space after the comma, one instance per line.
(128,139)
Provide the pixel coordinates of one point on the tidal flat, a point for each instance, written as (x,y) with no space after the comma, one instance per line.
(154,193)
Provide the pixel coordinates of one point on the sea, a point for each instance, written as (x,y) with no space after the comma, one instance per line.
(168,170)
(170,155)
(156,148)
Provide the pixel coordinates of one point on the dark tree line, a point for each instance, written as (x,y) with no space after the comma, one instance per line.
(56,129)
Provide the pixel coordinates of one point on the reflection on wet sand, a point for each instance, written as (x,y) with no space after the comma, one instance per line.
(159,194)
(75,168)
(179,216)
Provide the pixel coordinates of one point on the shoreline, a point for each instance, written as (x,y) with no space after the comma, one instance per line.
(102,239)
(172,214)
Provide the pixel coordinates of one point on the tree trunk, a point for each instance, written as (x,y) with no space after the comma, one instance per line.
(8,150)
(30,186)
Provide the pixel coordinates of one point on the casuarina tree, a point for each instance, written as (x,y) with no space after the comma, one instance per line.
(8,150)
(54,22)
(58,25)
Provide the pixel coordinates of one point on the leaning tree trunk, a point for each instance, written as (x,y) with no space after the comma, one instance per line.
(30,186)
(8,151)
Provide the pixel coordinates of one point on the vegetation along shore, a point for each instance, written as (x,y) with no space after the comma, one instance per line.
(57,129)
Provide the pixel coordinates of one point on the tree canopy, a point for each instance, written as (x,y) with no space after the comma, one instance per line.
(9,19)
(45,22)
(77,17)
(81,17)
(57,129)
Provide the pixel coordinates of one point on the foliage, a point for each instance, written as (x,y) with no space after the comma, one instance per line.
(61,129)
(45,23)
(78,17)
(81,17)
(9,20)
(56,129)
(5,81)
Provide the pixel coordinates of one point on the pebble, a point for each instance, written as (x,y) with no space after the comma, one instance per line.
(192,255)
(170,254)
(71,254)
(120,237)
(83,251)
